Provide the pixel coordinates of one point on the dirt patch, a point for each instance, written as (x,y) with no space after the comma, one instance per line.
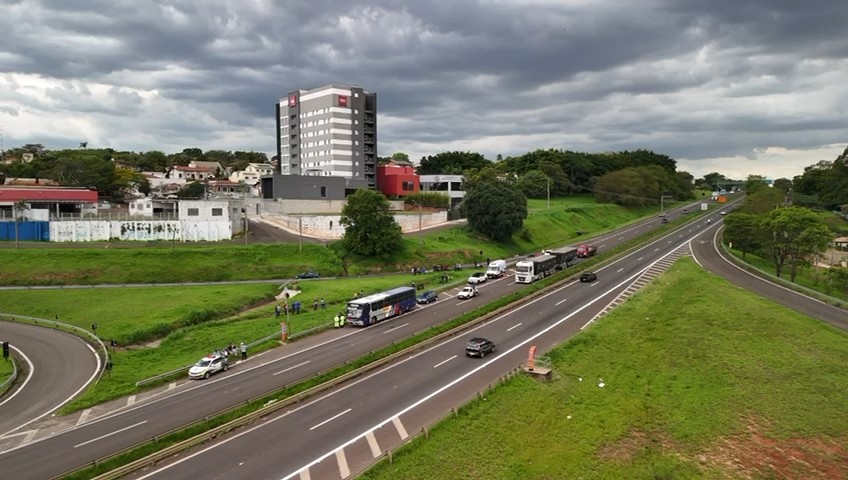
(753,454)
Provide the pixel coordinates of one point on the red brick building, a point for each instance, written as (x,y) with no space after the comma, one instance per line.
(397,179)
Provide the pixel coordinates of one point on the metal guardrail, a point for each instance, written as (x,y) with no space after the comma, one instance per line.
(63,326)
(4,387)
(425,430)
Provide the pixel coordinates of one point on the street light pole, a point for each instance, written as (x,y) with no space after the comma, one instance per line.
(549,191)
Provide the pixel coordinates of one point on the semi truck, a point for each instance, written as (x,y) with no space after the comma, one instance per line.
(565,256)
(536,268)
(584,251)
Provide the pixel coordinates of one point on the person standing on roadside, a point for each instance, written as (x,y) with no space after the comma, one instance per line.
(243,351)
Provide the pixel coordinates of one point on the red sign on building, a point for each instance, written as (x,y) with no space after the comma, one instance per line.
(292,101)
(342,100)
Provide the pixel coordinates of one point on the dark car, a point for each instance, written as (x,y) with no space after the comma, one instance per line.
(664,220)
(479,347)
(588,277)
(685,210)
(309,274)
(428,297)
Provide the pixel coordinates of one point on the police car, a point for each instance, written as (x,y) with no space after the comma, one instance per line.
(208,365)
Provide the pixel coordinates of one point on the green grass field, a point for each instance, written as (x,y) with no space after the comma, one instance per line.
(5,369)
(126,315)
(702,380)
(809,277)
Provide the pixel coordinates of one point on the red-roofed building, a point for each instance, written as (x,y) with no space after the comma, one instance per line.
(42,202)
(397,179)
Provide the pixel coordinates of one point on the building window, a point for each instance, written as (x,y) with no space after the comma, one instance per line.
(456,186)
(193,212)
(217,212)
(408,186)
(323,192)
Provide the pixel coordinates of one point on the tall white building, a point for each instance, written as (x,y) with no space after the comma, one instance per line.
(330,131)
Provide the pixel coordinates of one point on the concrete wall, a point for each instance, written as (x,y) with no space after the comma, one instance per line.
(327,226)
(145,230)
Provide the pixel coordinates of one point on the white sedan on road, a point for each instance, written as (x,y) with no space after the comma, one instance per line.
(476,278)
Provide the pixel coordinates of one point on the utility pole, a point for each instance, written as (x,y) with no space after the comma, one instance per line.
(300,238)
(549,191)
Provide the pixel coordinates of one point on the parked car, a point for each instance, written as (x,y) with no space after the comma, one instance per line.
(478,277)
(427,297)
(208,365)
(588,277)
(479,347)
(309,274)
(468,292)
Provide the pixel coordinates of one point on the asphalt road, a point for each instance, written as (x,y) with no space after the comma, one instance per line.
(345,429)
(59,365)
(77,446)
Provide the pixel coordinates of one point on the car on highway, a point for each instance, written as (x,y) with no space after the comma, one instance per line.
(588,277)
(467,292)
(309,274)
(478,277)
(664,220)
(723,212)
(427,297)
(479,347)
(207,366)
(684,211)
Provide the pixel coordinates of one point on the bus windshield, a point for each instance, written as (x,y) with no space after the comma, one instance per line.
(354,310)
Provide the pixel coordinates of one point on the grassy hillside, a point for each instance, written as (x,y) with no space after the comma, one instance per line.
(702,380)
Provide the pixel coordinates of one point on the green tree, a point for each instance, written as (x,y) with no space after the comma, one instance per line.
(560,184)
(754,183)
(793,235)
(743,231)
(496,209)
(128,180)
(534,184)
(400,156)
(193,190)
(451,163)
(370,228)
(762,201)
(712,180)
(837,279)
(782,184)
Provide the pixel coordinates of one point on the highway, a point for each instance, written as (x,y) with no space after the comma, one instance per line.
(337,433)
(345,429)
(58,366)
(77,446)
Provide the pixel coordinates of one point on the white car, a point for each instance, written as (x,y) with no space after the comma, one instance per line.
(723,212)
(467,292)
(476,278)
(207,366)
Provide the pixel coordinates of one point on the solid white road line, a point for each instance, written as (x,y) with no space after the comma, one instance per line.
(517,325)
(443,362)
(344,470)
(372,444)
(292,367)
(84,416)
(400,429)
(109,434)
(329,419)
(30,435)
(304,474)
(561,302)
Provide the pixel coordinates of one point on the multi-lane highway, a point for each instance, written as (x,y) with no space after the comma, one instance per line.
(82,444)
(57,365)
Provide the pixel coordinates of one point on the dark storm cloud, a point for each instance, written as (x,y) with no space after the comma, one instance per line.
(693,78)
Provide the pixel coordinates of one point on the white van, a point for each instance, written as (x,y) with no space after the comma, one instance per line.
(496,269)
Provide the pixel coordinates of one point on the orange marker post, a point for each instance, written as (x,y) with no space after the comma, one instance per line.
(531,358)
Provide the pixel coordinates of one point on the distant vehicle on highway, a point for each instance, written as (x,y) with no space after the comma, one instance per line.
(664,220)
(309,274)
(428,296)
(479,347)
(588,277)
(535,268)
(684,211)
(207,366)
(585,251)
(478,277)
(496,269)
(467,292)
(723,212)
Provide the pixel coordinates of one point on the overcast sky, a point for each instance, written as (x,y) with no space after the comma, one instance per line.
(738,87)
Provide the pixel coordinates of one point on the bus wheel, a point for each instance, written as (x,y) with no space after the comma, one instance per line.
(373,320)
